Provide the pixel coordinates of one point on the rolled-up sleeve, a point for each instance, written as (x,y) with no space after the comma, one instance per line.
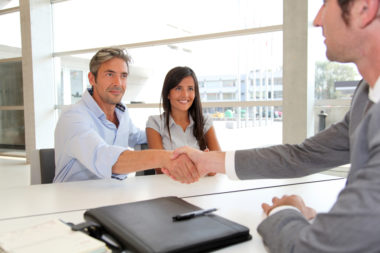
(81,152)
(96,155)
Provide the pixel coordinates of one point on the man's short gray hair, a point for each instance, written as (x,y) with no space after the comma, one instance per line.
(106,54)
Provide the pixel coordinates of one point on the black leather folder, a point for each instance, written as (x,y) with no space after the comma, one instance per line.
(148,226)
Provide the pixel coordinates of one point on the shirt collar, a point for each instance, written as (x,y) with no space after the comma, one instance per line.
(94,107)
(91,103)
(172,122)
(374,92)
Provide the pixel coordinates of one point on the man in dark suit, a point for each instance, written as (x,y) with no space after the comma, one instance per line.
(352,34)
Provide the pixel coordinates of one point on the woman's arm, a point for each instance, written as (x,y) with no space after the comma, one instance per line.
(211,140)
(154,139)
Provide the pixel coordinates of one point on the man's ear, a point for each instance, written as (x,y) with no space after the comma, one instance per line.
(367,11)
(91,78)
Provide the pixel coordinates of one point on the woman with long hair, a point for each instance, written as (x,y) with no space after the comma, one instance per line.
(182,123)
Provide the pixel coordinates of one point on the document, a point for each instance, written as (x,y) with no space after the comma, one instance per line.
(51,236)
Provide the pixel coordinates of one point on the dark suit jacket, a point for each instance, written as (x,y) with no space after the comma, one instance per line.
(353,223)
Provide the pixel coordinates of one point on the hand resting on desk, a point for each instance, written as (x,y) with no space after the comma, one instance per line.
(292,200)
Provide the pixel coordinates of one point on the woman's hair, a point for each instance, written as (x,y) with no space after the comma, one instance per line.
(172,79)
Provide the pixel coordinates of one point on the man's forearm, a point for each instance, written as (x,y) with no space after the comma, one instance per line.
(132,161)
(214,161)
(206,162)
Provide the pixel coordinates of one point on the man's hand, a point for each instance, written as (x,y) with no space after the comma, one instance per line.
(292,200)
(205,162)
(182,169)
(210,174)
(195,155)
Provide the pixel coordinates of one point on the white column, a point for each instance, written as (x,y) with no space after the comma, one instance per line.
(298,92)
(38,77)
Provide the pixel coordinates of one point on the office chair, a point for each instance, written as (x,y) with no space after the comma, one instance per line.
(47,165)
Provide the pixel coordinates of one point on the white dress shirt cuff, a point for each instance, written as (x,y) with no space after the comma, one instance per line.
(230,165)
(374,92)
(280,208)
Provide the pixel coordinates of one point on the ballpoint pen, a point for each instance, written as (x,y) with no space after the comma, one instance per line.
(189,215)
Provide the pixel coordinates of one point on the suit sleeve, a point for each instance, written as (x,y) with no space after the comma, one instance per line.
(327,149)
(353,223)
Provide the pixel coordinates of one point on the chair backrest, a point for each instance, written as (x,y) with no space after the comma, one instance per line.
(47,165)
(144,172)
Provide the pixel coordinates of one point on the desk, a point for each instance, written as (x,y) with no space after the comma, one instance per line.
(240,206)
(75,196)
(245,207)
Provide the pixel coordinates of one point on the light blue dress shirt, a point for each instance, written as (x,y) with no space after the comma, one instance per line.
(87,145)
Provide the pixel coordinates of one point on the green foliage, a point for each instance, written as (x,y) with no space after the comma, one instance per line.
(326,74)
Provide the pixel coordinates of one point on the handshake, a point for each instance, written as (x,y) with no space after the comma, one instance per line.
(187,164)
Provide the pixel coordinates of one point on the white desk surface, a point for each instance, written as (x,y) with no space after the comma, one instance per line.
(74,196)
(243,207)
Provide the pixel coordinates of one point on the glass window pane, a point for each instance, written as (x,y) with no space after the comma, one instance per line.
(247,127)
(5,4)
(325,115)
(335,80)
(243,68)
(95,23)
(10,45)
(76,81)
(12,133)
(71,78)
(11,88)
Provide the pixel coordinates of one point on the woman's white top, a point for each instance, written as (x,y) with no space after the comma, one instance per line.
(179,138)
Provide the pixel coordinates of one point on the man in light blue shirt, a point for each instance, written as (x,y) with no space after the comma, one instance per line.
(92,137)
